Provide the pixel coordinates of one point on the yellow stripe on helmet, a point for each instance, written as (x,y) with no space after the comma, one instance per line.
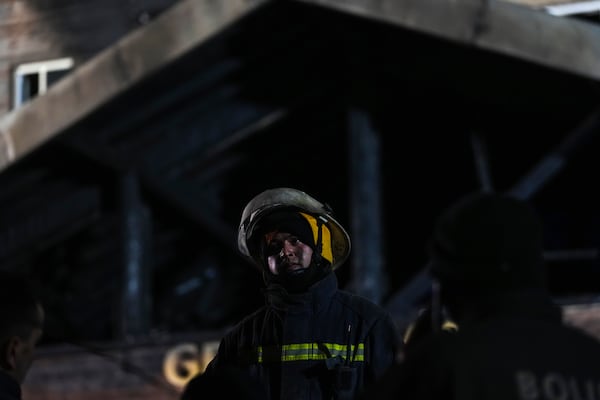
(326,252)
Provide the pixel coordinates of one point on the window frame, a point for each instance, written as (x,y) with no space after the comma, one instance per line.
(42,69)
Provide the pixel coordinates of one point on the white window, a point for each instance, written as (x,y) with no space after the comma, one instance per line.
(34,78)
(574,8)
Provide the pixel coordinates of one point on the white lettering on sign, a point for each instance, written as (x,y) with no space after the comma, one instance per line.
(181,364)
(184,361)
(555,386)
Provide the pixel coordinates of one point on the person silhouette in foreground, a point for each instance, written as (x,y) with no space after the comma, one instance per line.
(21,328)
(311,340)
(510,341)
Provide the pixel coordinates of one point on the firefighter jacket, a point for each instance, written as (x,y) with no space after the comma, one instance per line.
(521,349)
(323,344)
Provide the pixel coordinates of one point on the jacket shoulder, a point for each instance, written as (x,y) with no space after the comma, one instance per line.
(365,308)
(244,324)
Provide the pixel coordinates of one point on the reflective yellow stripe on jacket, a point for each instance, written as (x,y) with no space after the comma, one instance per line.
(317,351)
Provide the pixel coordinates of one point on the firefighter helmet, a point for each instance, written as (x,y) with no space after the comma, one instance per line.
(279,199)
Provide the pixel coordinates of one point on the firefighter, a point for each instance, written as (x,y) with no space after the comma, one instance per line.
(510,341)
(311,340)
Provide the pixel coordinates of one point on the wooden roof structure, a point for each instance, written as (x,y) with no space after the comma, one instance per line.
(499,26)
(151,148)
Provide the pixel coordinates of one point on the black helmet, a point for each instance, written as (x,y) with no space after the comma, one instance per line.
(335,240)
(486,241)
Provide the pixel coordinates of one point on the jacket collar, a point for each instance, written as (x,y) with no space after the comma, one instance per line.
(316,296)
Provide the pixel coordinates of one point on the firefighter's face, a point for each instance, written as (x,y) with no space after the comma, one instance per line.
(286,253)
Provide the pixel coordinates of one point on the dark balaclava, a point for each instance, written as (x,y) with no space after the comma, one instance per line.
(295,223)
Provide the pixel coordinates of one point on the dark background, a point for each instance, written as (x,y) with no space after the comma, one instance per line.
(181,153)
